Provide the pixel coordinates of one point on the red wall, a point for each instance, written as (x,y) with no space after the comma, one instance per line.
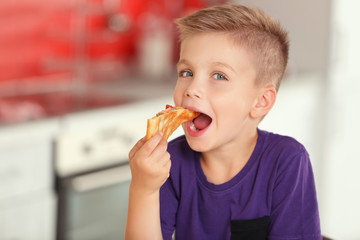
(41,38)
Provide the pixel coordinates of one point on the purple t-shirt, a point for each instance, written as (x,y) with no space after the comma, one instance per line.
(272,197)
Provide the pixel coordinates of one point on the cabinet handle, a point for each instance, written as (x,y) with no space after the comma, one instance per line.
(103,178)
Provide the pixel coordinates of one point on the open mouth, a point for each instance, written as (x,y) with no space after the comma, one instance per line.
(200,123)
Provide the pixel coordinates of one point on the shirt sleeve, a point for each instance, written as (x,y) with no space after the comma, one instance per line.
(294,207)
(168,209)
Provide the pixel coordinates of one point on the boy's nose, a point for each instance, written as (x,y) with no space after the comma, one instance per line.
(192,94)
(193,90)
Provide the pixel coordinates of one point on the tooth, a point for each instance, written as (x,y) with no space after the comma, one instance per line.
(192,127)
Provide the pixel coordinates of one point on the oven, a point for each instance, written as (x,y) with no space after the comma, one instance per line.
(93,205)
(92,181)
(92,169)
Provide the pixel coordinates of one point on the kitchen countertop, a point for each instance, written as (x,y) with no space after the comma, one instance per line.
(31,108)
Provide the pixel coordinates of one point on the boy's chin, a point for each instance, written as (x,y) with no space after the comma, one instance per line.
(196,144)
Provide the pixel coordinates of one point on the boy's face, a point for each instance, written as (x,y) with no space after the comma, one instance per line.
(217,78)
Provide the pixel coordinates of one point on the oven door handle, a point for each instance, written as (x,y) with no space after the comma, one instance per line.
(102,179)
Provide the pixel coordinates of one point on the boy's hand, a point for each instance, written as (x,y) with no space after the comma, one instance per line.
(150,164)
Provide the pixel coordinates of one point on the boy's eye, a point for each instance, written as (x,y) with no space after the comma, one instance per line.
(185,74)
(219,76)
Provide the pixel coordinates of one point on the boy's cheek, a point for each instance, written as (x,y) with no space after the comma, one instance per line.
(177,96)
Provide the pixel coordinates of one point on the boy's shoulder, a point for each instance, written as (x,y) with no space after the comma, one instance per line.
(282,150)
(279,142)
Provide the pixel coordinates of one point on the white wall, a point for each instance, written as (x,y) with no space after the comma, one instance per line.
(342,153)
(307,22)
(319,104)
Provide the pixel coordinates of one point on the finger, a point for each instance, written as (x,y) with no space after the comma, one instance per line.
(152,143)
(160,150)
(163,164)
(136,147)
(166,161)
(160,156)
(167,167)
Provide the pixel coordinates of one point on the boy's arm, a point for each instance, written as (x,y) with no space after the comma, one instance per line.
(150,165)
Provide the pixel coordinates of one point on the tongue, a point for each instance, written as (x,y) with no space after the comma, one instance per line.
(202,121)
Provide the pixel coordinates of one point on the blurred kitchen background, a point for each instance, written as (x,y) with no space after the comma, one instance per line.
(79,78)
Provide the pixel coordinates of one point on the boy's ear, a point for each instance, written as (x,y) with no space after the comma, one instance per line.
(264,102)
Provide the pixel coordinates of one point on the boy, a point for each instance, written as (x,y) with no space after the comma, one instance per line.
(228,179)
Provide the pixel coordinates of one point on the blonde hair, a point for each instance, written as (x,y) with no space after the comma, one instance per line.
(261,34)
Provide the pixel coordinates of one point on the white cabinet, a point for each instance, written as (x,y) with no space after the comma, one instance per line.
(25,167)
(29,217)
(27,200)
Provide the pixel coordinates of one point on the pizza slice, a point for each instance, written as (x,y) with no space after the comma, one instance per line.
(168,120)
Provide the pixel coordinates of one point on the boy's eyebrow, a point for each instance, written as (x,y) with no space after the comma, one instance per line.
(221,64)
(183,61)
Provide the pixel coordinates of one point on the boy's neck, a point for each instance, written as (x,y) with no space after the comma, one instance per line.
(222,165)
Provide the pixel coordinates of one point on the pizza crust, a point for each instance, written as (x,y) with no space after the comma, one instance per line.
(168,120)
